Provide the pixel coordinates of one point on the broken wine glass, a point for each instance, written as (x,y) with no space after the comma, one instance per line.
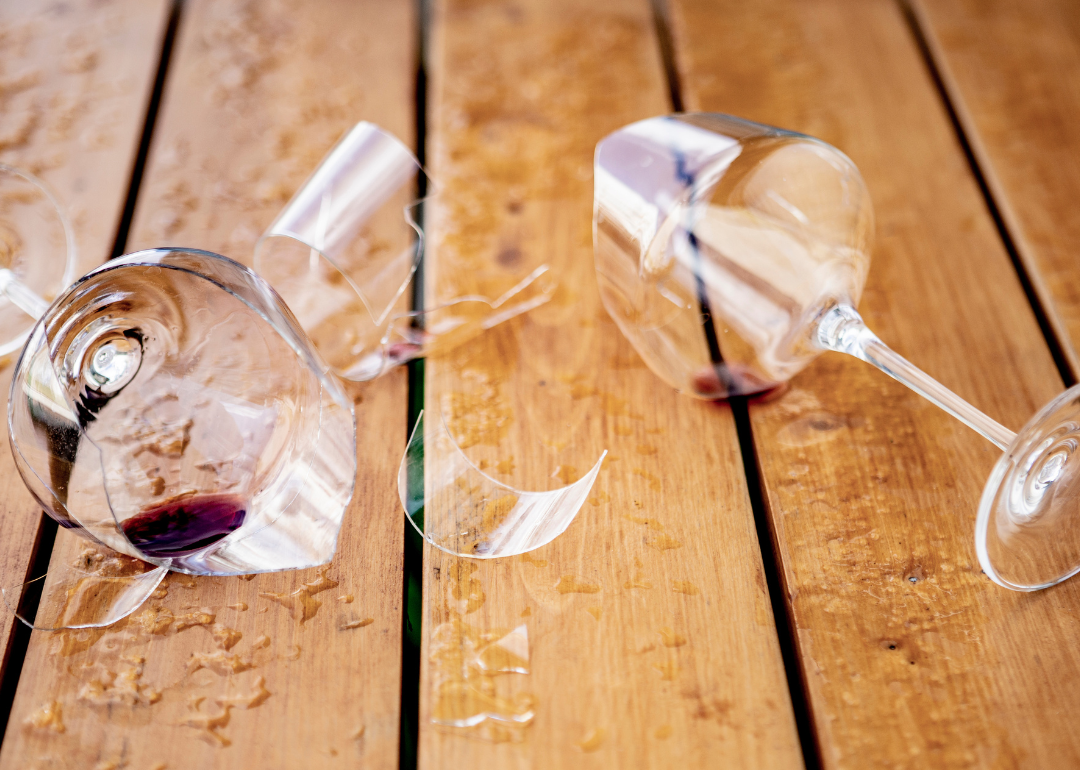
(732,254)
(168,406)
(345,248)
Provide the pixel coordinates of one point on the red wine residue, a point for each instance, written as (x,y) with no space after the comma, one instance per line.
(182,526)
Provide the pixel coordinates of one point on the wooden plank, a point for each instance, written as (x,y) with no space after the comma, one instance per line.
(912,657)
(651,638)
(74,83)
(1012,72)
(257,93)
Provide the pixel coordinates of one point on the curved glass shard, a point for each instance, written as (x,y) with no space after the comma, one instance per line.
(470,514)
(97,589)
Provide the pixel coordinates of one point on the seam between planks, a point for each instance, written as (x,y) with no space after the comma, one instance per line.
(767,542)
(123,227)
(967,136)
(413,561)
(779,593)
(13,658)
(19,640)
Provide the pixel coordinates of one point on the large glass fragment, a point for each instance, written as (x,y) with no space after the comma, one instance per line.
(343,252)
(461,510)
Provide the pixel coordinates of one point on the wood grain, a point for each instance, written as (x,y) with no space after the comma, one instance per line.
(1012,72)
(74,83)
(912,657)
(651,639)
(257,93)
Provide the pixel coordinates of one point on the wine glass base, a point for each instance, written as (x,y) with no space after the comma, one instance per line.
(1027,535)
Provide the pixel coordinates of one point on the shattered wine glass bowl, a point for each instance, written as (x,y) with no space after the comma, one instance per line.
(168,406)
(37,254)
(719,242)
(345,247)
(344,250)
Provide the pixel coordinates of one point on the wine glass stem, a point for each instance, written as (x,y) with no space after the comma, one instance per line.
(842,329)
(21,295)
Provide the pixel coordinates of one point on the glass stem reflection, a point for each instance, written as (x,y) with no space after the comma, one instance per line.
(21,295)
(842,329)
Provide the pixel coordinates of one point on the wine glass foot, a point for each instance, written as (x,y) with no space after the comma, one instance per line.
(1028,531)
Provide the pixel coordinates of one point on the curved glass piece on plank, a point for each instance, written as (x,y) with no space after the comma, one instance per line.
(97,589)
(461,510)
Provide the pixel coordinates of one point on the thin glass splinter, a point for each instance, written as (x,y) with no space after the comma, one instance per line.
(468,513)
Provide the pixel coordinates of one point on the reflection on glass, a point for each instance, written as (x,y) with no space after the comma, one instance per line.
(37,254)
(718,242)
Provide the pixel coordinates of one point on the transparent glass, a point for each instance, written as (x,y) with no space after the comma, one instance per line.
(719,241)
(473,514)
(731,254)
(345,248)
(342,252)
(37,254)
(168,406)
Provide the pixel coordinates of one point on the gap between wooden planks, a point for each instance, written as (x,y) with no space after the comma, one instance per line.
(1012,72)
(256,94)
(75,79)
(912,657)
(652,643)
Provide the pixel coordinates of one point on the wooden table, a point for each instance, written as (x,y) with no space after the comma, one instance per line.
(776,584)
